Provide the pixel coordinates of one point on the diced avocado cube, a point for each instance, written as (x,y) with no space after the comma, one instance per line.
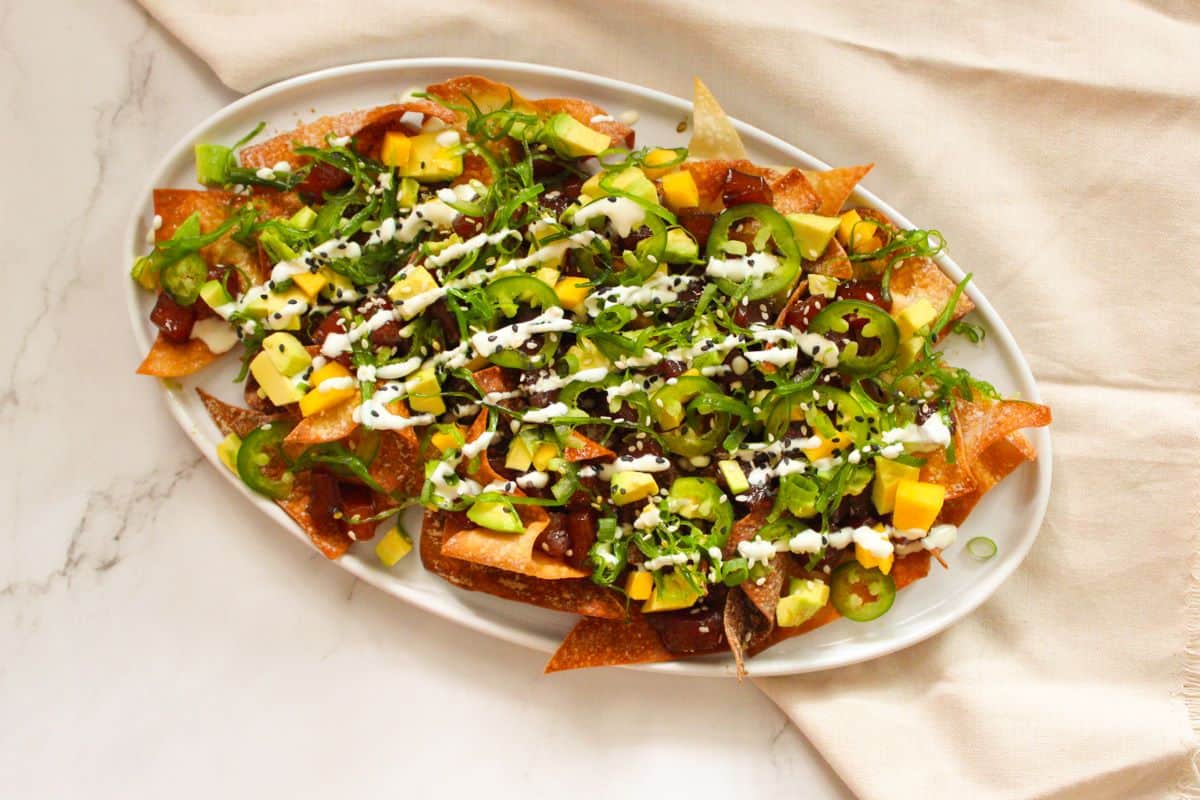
(887,474)
(339,288)
(496,515)
(548,276)
(425,391)
(519,457)
(255,303)
(632,486)
(570,138)
(303,219)
(584,354)
(681,247)
(429,161)
(394,545)
(214,294)
(227,450)
(813,233)
(416,280)
(407,196)
(823,285)
(284,309)
(910,351)
(212,164)
(631,180)
(672,593)
(915,316)
(735,478)
(279,388)
(803,600)
(287,354)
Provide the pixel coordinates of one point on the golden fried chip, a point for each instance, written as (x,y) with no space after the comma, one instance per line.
(835,186)
(917,278)
(713,134)
(170,360)
(609,642)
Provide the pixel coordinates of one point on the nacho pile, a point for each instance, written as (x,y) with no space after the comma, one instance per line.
(696,400)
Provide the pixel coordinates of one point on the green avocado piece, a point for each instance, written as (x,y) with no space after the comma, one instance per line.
(630,180)
(735,478)
(227,450)
(673,592)
(813,232)
(214,294)
(860,478)
(632,486)
(804,599)
(279,388)
(570,138)
(409,189)
(496,515)
(888,473)
(681,247)
(287,354)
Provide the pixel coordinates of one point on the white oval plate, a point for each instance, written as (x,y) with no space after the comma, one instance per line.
(1011,514)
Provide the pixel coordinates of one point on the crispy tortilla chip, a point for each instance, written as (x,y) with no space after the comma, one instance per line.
(232,419)
(989,446)
(916,278)
(312,134)
(833,262)
(789,187)
(907,570)
(956,478)
(170,360)
(750,608)
(744,627)
(575,595)
(330,540)
(713,134)
(397,466)
(582,448)
(584,112)
(509,552)
(331,425)
(609,642)
(835,186)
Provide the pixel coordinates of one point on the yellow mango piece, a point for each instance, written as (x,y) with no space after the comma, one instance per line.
(444,440)
(868,559)
(542,456)
(657,157)
(915,316)
(827,446)
(639,585)
(311,283)
(572,292)
(316,400)
(396,149)
(680,190)
(853,227)
(917,504)
(888,474)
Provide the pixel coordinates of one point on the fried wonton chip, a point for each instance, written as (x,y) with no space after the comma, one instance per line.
(713,134)
(744,627)
(331,425)
(750,607)
(835,186)
(511,552)
(989,446)
(330,540)
(608,642)
(213,207)
(483,94)
(170,360)
(789,187)
(917,278)
(581,448)
(834,262)
(575,595)
(397,466)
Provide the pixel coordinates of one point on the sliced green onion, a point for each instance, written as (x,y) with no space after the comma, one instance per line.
(982,548)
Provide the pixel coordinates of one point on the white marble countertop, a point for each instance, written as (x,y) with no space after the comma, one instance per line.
(159,637)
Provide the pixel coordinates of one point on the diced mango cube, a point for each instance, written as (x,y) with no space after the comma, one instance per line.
(542,456)
(827,446)
(311,283)
(652,164)
(317,400)
(680,190)
(396,149)
(868,559)
(416,280)
(572,292)
(445,440)
(519,459)
(858,234)
(917,504)
(639,585)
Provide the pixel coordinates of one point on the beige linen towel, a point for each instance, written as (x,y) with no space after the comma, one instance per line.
(1059,150)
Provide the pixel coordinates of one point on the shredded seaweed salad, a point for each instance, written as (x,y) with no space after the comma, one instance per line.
(582,334)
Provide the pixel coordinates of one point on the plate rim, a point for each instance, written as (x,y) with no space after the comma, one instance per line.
(983,589)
